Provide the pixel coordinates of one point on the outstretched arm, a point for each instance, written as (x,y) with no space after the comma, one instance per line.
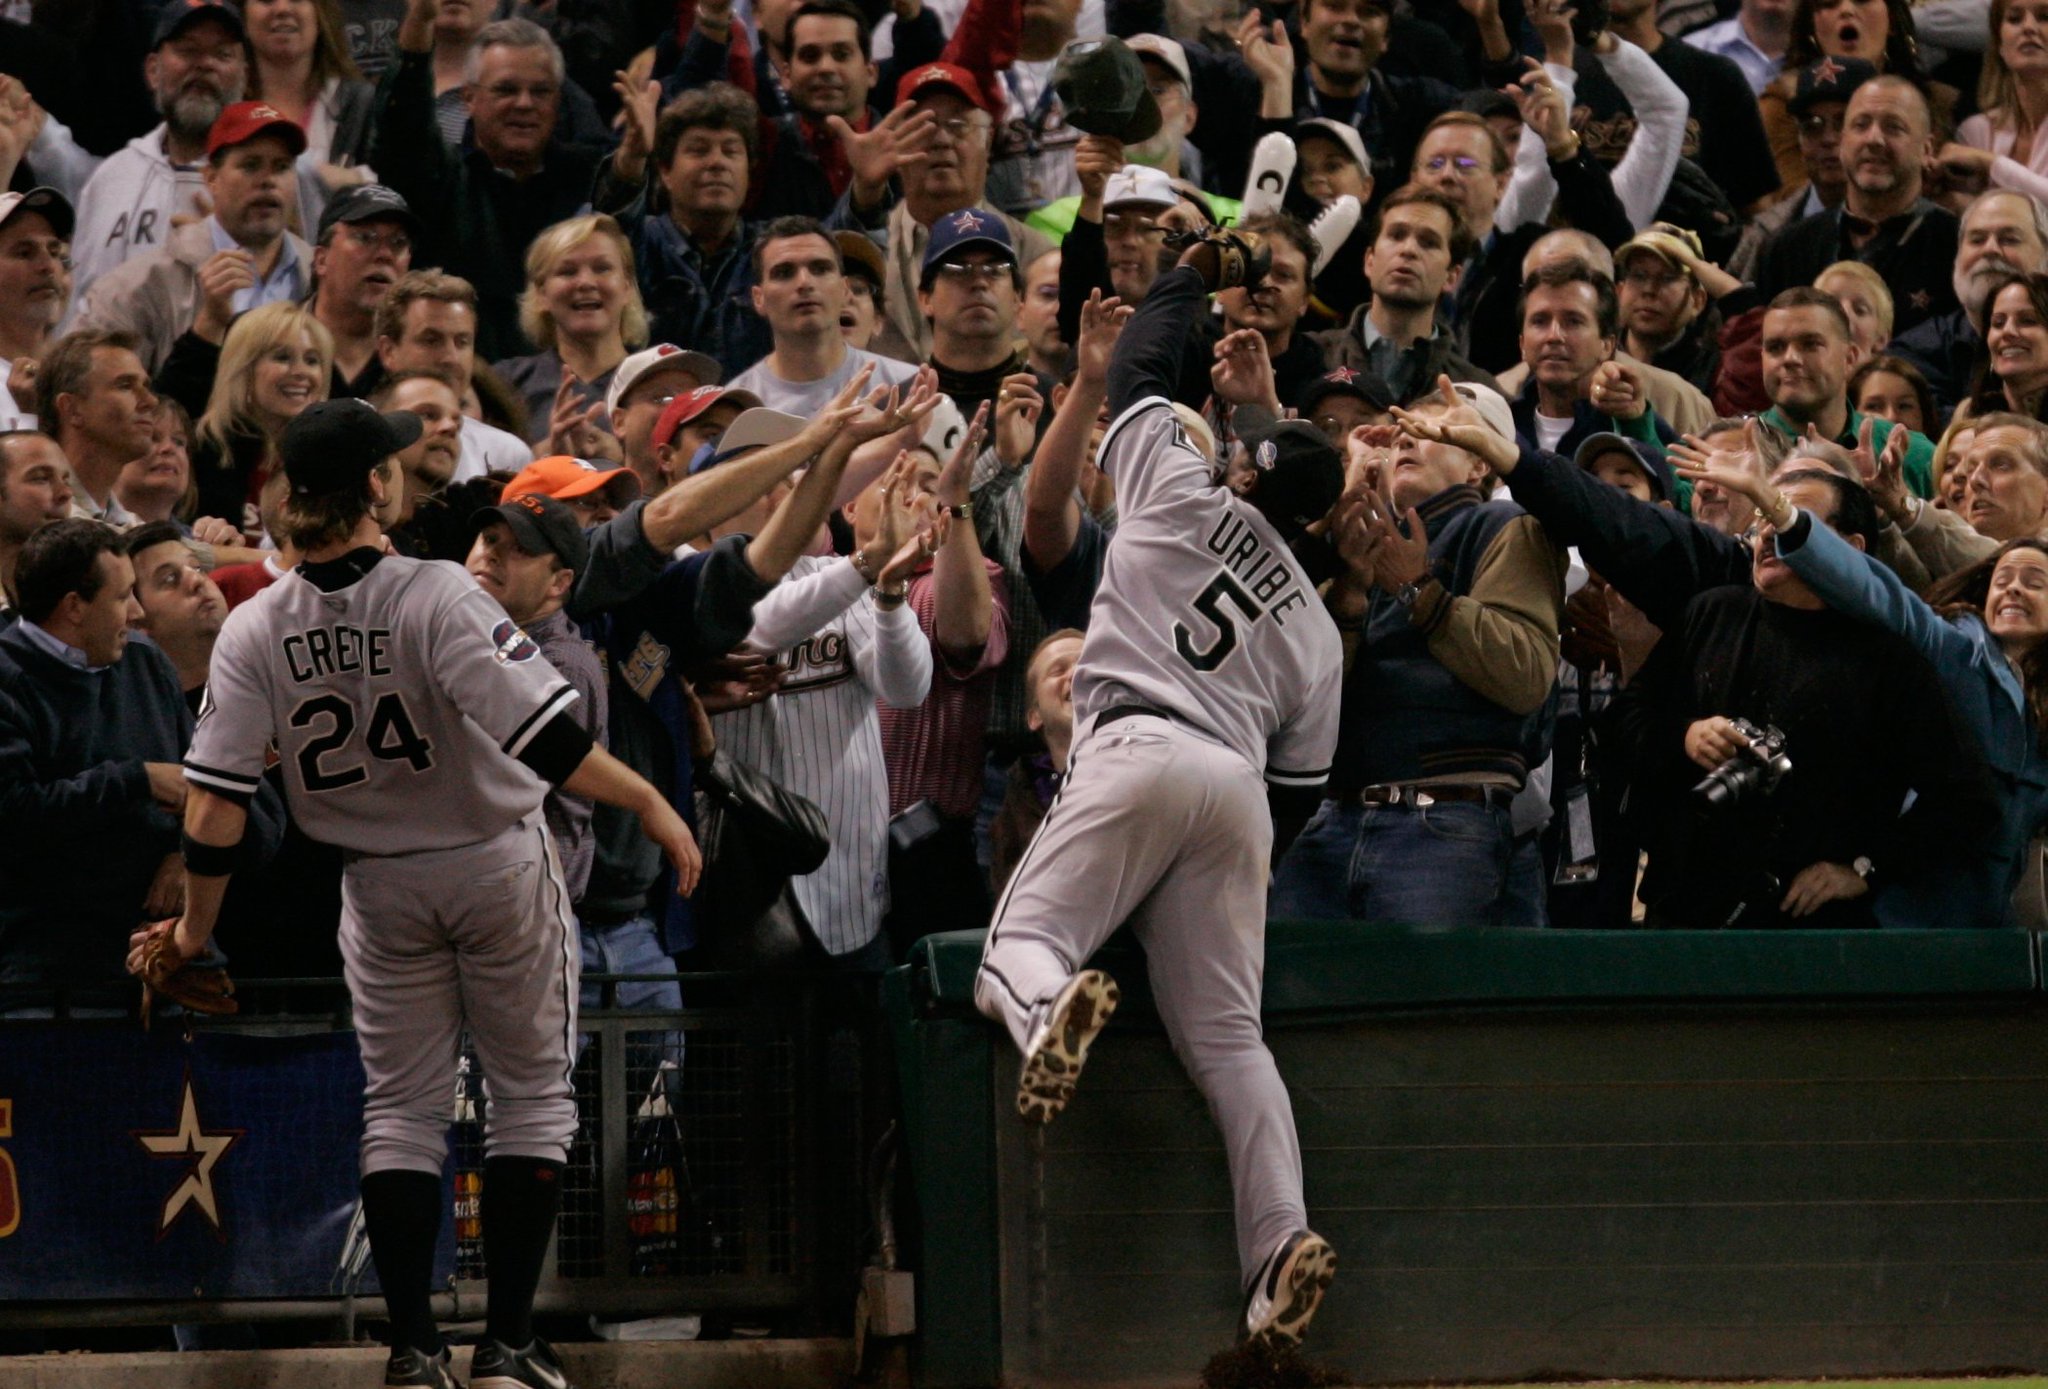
(1148,356)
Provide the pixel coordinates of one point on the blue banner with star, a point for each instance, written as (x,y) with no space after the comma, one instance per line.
(146,1166)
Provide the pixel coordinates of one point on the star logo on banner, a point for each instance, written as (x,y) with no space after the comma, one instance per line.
(1827,70)
(202,1149)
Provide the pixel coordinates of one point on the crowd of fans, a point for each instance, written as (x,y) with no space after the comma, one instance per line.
(1690,364)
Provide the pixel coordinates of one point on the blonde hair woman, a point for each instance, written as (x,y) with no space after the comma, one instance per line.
(275,362)
(2002,145)
(582,309)
(1865,298)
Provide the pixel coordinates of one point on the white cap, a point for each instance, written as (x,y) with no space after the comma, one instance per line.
(1491,405)
(47,201)
(1166,50)
(1139,185)
(667,356)
(1342,134)
(944,429)
(757,429)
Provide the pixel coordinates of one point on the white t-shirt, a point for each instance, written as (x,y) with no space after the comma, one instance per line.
(808,398)
(1549,432)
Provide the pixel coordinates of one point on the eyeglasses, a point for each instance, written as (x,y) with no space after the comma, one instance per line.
(1650,280)
(967,272)
(394,241)
(1463,163)
(961,129)
(1814,123)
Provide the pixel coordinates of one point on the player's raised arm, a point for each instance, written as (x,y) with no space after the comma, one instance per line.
(1148,356)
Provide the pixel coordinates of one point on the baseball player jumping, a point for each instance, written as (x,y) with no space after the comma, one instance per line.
(418,728)
(1209,661)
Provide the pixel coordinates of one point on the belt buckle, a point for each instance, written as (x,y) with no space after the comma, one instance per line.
(1421,800)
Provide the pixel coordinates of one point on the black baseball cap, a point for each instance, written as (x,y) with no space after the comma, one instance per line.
(180,15)
(366,202)
(1827,79)
(334,444)
(1300,474)
(541,525)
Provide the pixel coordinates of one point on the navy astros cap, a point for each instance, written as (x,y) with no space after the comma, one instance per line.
(334,444)
(970,226)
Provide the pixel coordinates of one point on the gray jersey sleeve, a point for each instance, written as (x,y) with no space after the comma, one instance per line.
(1150,458)
(1301,749)
(488,667)
(236,718)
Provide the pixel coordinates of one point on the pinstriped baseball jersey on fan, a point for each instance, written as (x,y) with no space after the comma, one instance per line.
(397,703)
(1203,611)
(820,736)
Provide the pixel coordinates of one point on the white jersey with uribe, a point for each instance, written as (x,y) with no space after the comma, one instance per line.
(1203,612)
(397,704)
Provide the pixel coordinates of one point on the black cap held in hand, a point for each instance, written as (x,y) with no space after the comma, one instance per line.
(334,444)
(1103,88)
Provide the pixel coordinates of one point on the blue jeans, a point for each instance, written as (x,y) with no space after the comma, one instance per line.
(1442,865)
(634,947)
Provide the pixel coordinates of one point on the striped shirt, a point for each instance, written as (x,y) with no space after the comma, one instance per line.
(820,736)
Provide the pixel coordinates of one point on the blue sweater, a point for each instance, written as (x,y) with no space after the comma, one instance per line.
(80,837)
(1989,702)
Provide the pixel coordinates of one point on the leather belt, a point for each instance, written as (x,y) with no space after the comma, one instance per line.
(1418,797)
(1131,711)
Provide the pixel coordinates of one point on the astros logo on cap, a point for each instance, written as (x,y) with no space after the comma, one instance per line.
(967,221)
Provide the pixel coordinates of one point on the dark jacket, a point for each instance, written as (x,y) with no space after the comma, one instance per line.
(1915,252)
(474,221)
(227,479)
(80,836)
(1586,422)
(704,305)
(1428,358)
(1866,723)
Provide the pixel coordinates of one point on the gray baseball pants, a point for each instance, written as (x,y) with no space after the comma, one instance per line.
(479,937)
(1171,831)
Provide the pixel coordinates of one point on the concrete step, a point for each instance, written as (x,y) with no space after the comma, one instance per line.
(780,1364)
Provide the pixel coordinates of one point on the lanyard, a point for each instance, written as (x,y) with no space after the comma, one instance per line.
(1034,123)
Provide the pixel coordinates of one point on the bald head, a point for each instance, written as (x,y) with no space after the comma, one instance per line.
(1568,243)
(1885,146)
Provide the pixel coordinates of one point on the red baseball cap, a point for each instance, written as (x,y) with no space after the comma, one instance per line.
(245,120)
(685,408)
(563,477)
(944,77)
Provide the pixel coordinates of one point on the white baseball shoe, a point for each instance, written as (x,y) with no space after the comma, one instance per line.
(1288,1288)
(1059,1046)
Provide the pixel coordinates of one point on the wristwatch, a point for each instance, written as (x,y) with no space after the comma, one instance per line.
(1863,868)
(960,512)
(1407,593)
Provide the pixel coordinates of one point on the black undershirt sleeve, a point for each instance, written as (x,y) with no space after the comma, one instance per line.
(558,749)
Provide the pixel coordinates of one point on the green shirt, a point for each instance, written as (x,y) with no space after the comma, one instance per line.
(1919,465)
(1056,218)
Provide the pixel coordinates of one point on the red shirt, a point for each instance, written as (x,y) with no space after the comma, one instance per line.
(935,751)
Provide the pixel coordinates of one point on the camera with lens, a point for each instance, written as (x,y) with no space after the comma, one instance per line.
(1752,771)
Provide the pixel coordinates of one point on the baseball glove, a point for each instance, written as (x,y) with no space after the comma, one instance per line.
(198,988)
(1225,258)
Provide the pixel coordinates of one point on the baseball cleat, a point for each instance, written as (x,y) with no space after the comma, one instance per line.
(1288,1289)
(415,1369)
(498,1366)
(1059,1048)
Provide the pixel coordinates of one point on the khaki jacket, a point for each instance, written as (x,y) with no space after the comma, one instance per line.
(156,295)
